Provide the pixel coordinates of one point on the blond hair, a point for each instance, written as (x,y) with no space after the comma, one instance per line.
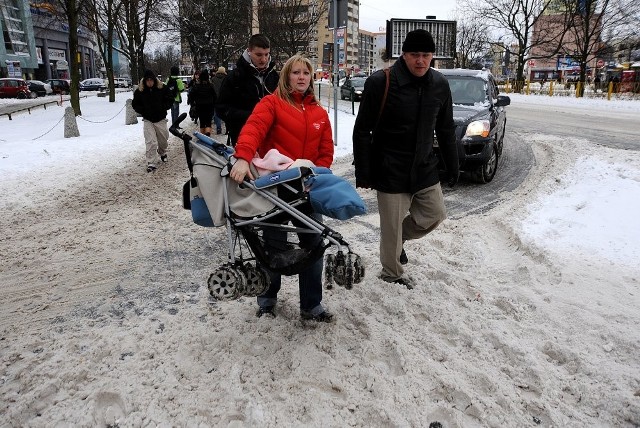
(284,87)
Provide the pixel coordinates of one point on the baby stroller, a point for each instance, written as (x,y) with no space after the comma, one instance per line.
(275,204)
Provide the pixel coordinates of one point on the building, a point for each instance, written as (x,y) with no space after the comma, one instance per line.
(51,34)
(443,32)
(18,56)
(545,64)
(366,51)
(347,40)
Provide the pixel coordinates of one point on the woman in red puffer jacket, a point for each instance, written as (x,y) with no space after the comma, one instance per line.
(291,121)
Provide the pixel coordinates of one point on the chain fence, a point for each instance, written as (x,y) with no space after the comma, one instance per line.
(77,117)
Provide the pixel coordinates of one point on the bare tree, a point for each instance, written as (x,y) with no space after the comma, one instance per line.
(471,40)
(133,28)
(290,24)
(73,12)
(517,17)
(213,30)
(105,15)
(163,59)
(588,20)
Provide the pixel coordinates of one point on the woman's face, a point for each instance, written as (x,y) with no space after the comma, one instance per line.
(300,77)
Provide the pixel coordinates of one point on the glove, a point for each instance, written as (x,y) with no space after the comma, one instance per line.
(453,179)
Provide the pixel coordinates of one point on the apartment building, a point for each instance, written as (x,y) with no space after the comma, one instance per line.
(18,52)
(347,41)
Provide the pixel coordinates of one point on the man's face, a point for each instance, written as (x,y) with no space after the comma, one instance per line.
(418,62)
(259,57)
(149,81)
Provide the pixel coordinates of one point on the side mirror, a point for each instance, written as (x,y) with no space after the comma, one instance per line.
(503,101)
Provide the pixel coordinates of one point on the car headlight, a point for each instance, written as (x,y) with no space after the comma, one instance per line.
(358,92)
(478,128)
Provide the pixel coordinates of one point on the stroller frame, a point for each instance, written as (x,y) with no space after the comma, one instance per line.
(247,275)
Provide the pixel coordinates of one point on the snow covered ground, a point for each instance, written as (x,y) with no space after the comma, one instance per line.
(525,315)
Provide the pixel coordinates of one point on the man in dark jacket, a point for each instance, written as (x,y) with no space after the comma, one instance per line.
(152,100)
(253,78)
(393,149)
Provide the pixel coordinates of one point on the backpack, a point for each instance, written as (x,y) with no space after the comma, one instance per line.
(172,87)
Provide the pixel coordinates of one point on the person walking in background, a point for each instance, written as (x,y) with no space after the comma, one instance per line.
(193,114)
(291,121)
(175,86)
(152,100)
(217,80)
(253,78)
(393,149)
(203,95)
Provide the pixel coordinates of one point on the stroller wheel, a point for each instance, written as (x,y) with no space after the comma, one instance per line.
(355,268)
(258,280)
(349,269)
(329,271)
(227,283)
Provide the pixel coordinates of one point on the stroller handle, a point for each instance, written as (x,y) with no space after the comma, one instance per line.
(174,128)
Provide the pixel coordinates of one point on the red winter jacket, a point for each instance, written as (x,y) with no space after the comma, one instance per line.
(299,133)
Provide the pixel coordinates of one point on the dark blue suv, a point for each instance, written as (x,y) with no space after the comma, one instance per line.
(480,117)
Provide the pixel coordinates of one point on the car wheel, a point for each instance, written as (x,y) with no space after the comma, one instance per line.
(21,95)
(486,172)
(34,95)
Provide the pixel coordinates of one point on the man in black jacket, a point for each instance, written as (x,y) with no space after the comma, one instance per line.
(253,78)
(393,149)
(152,100)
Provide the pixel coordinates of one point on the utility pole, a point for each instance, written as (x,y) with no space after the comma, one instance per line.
(335,72)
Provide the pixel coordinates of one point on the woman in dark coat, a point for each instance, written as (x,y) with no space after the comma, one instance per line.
(203,95)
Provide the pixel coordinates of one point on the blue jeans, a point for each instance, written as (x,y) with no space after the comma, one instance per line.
(309,280)
(217,121)
(175,111)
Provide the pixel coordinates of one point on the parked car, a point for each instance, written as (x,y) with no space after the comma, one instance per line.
(480,117)
(355,84)
(40,89)
(93,84)
(11,87)
(59,86)
(121,82)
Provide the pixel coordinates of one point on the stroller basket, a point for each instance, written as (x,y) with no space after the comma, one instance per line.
(270,224)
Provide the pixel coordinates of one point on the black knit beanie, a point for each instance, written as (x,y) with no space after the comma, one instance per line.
(418,41)
(148,74)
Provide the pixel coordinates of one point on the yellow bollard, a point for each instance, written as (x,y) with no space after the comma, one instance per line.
(609,91)
(528,88)
(551,88)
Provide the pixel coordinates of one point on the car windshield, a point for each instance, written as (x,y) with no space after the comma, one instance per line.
(467,90)
(358,81)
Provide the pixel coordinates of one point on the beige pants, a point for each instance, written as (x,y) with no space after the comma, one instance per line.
(156,136)
(403,217)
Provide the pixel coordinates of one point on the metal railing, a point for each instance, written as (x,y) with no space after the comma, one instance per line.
(609,91)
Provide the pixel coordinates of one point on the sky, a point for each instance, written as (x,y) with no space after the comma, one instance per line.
(375,13)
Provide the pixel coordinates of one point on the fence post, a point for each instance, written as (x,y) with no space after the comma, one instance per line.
(130,117)
(70,124)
